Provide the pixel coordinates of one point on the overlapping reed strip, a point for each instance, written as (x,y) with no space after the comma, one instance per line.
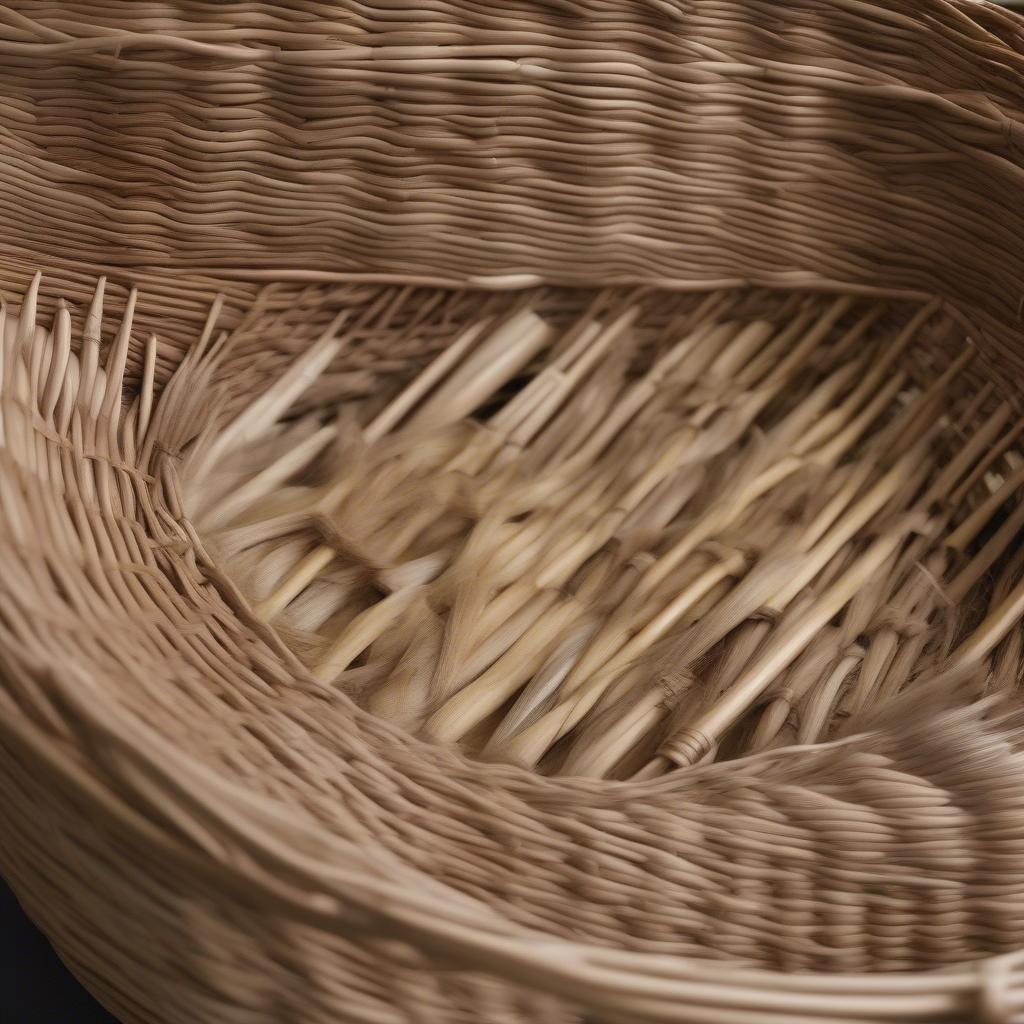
(596,548)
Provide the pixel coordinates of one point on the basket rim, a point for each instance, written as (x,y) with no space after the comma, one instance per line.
(406,902)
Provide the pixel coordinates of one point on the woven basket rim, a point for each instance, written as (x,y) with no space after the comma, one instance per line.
(464,931)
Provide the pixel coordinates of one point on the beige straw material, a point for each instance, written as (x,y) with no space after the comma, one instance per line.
(188,801)
(568,580)
(651,362)
(679,142)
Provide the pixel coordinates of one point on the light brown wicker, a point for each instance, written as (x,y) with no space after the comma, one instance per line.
(208,833)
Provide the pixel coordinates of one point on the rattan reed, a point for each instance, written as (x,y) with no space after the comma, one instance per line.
(299,208)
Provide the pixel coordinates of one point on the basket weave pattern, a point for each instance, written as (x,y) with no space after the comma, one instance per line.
(208,835)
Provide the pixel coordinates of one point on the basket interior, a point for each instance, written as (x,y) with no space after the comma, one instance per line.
(611,532)
(147,703)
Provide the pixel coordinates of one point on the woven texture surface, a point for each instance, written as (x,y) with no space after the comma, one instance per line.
(262,822)
(208,835)
(682,142)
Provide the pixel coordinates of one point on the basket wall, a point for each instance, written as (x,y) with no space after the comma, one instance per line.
(678,142)
(200,149)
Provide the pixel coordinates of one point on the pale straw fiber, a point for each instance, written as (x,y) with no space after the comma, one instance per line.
(511,512)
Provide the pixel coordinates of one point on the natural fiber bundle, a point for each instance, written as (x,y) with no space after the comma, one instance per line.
(669,514)
(739,565)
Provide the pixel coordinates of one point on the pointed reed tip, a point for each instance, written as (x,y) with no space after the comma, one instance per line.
(28,306)
(129,310)
(94,317)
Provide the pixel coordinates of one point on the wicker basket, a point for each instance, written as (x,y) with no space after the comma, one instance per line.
(209,835)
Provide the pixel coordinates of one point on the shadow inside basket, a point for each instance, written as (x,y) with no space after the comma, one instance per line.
(608,533)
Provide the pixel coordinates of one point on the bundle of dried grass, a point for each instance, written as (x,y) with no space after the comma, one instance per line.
(596,547)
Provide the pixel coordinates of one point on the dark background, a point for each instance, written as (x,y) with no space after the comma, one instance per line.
(35,987)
